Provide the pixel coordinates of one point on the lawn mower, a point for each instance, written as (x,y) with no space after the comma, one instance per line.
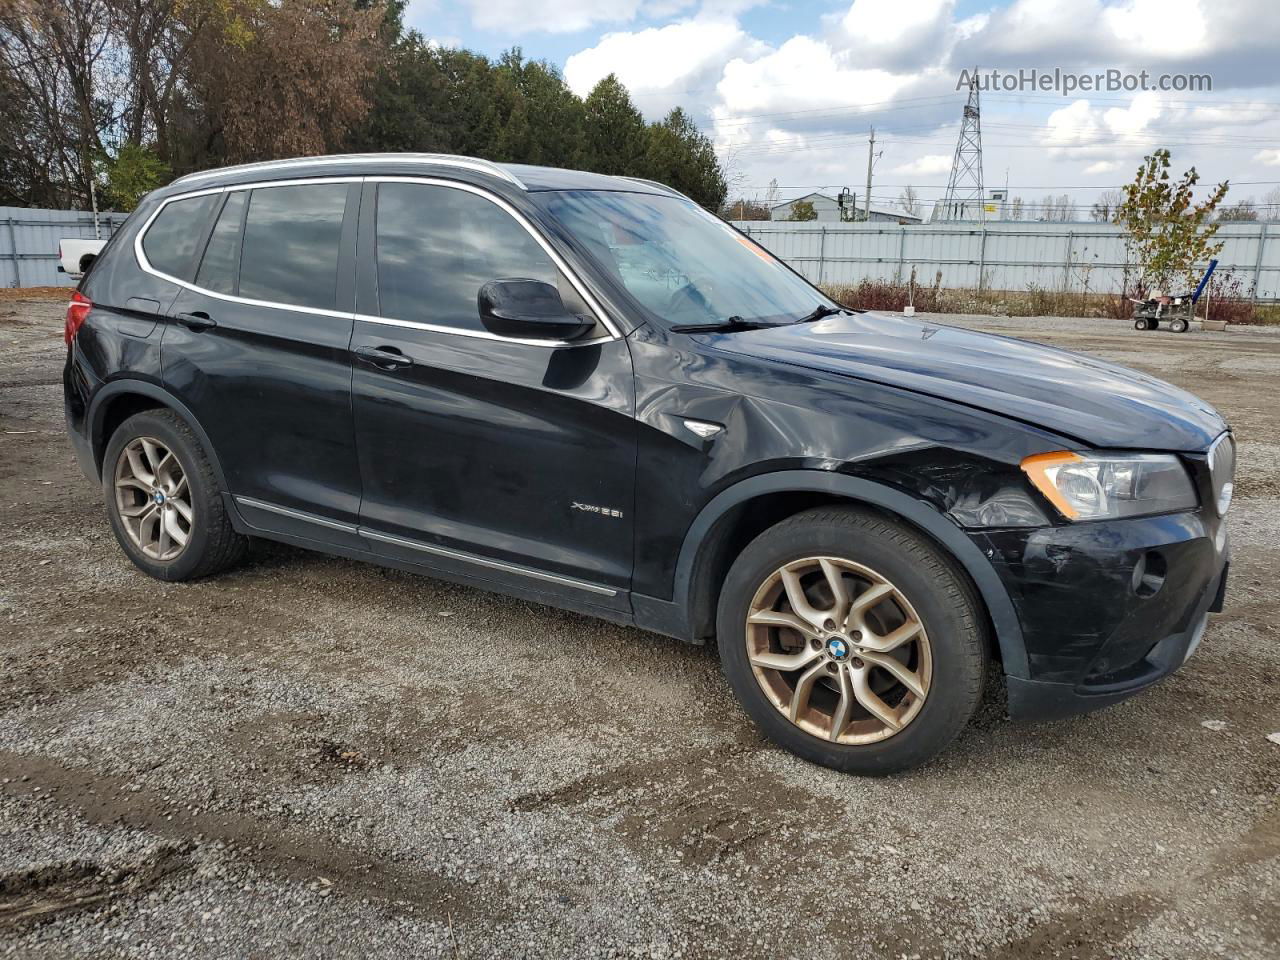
(1178,312)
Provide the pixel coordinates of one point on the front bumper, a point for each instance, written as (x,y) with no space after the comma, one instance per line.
(1107,608)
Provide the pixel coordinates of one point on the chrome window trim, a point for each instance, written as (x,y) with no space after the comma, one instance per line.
(145,264)
(426,159)
(600,314)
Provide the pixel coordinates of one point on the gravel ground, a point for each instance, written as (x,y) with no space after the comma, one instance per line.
(316,758)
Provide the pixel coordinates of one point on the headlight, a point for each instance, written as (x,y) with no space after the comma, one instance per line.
(1086,486)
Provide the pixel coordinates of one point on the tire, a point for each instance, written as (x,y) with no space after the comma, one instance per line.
(148,525)
(946,658)
(1179,325)
(1140,324)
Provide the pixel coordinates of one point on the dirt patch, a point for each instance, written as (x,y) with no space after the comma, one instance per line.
(314,758)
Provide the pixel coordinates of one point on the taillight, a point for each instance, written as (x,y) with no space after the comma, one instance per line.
(77,310)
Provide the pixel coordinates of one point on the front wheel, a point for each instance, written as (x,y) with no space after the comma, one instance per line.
(1179,326)
(852,640)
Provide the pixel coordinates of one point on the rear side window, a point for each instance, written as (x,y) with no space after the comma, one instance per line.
(437,246)
(221,264)
(292,238)
(171,240)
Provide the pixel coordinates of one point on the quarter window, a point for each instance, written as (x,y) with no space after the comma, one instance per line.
(222,256)
(292,237)
(170,242)
(437,246)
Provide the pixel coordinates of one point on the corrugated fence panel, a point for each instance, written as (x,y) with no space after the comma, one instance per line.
(1000,256)
(29,242)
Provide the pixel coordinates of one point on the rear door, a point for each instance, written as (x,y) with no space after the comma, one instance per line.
(504,459)
(257,347)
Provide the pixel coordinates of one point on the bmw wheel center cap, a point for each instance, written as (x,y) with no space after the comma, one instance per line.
(837,648)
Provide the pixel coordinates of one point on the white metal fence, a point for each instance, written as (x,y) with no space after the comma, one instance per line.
(29,242)
(999,256)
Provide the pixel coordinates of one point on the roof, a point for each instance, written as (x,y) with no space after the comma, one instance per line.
(883,211)
(512,175)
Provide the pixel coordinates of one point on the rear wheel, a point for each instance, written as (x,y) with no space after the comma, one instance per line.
(1140,324)
(164,501)
(1178,326)
(852,641)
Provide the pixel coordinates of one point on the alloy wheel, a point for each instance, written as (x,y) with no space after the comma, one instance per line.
(838,650)
(153,499)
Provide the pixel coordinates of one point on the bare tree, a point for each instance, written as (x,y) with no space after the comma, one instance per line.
(1107,205)
(908,201)
(1271,204)
(1240,211)
(1015,208)
(1064,209)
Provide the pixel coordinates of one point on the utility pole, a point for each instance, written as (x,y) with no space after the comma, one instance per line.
(871,155)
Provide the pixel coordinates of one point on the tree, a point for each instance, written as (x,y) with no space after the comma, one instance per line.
(803,210)
(1106,206)
(1244,210)
(773,194)
(131,174)
(287,77)
(908,201)
(1170,235)
(1064,209)
(1016,208)
(744,209)
(1271,204)
(616,135)
(681,156)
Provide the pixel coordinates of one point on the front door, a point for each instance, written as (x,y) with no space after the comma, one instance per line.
(503,459)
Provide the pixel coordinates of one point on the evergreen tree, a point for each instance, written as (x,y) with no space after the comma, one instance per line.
(681,156)
(616,137)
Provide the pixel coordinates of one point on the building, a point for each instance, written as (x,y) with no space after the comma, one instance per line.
(828,210)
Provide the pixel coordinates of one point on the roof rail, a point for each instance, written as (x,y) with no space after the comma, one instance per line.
(661,186)
(436,159)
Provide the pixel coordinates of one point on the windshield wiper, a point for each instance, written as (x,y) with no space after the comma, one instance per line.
(820,311)
(727,325)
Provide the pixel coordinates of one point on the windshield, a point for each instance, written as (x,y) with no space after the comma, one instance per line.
(682,264)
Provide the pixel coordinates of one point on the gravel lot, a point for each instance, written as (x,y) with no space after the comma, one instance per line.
(316,758)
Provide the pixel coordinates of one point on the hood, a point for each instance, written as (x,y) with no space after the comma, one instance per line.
(1099,403)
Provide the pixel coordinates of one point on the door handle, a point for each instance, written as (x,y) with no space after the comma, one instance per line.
(196,321)
(385,358)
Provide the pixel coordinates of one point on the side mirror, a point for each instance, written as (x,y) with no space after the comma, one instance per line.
(528,308)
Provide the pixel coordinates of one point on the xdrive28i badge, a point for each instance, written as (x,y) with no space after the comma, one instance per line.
(594,508)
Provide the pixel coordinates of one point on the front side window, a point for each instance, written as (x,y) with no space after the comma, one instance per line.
(171,240)
(437,246)
(679,262)
(292,238)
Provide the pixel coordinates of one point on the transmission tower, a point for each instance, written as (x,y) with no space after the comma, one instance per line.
(964,189)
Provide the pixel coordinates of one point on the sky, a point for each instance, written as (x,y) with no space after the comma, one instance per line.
(788,91)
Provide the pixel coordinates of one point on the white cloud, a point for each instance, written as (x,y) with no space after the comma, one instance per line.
(895,32)
(930,164)
(564,16)
(1134,119)
(1102,166)
(1176,28)
(674,60)
(1269,157)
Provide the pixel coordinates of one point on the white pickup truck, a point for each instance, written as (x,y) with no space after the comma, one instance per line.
(75,255)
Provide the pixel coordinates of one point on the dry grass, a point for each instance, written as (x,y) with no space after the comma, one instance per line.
(1032,302)
(35,293)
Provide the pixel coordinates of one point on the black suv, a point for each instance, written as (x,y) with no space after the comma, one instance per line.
(587,391)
